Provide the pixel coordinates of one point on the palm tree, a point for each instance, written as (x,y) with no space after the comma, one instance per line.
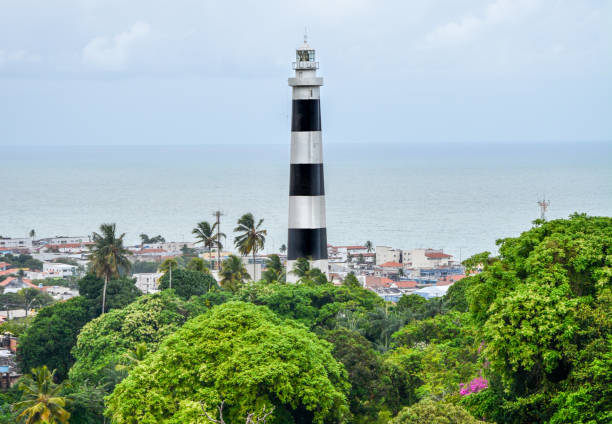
(274,270)
(108,255)
(369,247)
(283,248)
(250,239)
(205,234)
(233,273)
(32,233)
(198,264)
(41,402)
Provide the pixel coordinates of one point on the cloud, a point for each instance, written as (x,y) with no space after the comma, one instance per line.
(112,54)
(469,26)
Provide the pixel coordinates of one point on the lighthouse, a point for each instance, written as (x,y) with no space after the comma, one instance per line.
(307,229)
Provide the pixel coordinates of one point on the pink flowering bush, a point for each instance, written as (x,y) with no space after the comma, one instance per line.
(473,386)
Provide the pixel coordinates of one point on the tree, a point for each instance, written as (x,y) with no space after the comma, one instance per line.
(283,248)
(32,233)
(434,413)
(275,271)
(144,238)
(351,281)
(109,339)
(250,237)
(543,307)
(167,264)
(41,402)
(306,274)
(119,292)
(108,255)
(53,332)
(243,355)
(369,247)
(370,385)
(208,235)
(187,283)
(30,297)
(233,273)
(198,264)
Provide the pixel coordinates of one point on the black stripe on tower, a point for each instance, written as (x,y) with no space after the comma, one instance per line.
(306,115)
(306,179)
(310,243)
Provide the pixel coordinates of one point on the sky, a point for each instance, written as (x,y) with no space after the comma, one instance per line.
(111,72)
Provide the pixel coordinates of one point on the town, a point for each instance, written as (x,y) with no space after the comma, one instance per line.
(389,272)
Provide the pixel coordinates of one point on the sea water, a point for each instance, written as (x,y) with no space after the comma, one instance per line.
(456,197)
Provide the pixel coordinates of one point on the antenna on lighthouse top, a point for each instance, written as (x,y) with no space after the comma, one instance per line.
(305,36)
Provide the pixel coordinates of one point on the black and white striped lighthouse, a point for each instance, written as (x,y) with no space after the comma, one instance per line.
(307,228)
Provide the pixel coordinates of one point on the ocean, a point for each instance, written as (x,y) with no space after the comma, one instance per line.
(456,197)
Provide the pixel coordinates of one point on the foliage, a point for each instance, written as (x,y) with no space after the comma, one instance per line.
(144,267)
(431,412)
(86,402)
(53,332)
(242,354)
(16,326)
(41,402)
(29,298)
(306,274)
(316,306)
(351,281)
(370,385)
(205,234)
(544,310)
(251,238)
(144,238)
(108,256)
(22,261)
(198,264)
(167,264)
(119,292)
(233,273)
(106,339)
(187,283)
(275,271)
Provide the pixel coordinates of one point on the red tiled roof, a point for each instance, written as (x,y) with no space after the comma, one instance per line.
(449,279)
(3,264)
(150,251)
(9,271)
(372,281)
(391,265)
(349,247)
(6,281)
(406,284)
(437,255)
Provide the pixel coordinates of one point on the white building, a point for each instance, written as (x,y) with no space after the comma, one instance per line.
(426,258)
(61,292)
(59,270)
(64,240)
(15,243)
(148,282)
(386,254)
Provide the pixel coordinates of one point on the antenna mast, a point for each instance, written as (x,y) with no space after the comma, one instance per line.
(544,204)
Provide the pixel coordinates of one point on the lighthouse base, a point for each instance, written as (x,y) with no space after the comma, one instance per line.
(322,264)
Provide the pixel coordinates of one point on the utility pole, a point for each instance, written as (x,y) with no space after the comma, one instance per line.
(218,215)
(170,263)
(544,204)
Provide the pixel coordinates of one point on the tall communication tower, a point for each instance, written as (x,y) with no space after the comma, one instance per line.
(544,204)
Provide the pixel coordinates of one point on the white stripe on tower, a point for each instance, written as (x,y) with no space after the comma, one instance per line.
(307,228)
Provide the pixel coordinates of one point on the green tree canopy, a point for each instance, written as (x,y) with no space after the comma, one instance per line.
(119,292)
(53,332)
(243,354)
(313,305)
(105,340)
(187,283)
(431,412)
(233,273)
(370,385)
(544,308)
